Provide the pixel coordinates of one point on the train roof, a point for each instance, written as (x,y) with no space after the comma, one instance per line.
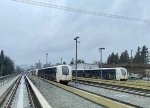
(102,68)
(32,70)
(54,67)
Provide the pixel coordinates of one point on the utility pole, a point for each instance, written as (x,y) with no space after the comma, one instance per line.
(39,66)
(76,58)
(131,62)
(46,59)
(100,49)
(61,60)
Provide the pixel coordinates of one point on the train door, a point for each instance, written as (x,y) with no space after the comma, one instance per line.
(112,74)
(109,74)
(124,74)
(65,72)
(53,74)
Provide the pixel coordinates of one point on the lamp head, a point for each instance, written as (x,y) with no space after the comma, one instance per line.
(101,48)
(76,38)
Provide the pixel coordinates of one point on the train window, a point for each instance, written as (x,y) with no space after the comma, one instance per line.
(65,70)
(123,72)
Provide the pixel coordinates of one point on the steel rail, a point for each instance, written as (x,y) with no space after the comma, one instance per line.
(12,93)
(96,98)
(36,97)
(125,89)
(145,86)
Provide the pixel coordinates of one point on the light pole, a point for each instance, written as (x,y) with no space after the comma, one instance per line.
(61,60)
(46,59)
(100,49)
(76,57)
(131,62)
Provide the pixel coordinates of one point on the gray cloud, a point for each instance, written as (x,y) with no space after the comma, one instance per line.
(28,32)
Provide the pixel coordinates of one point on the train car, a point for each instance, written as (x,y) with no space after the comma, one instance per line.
(34,72)
(60,73)
(107,73)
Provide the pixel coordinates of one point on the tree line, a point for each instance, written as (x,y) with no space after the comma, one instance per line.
(141,57)
(6,65)
(78,61)
(39,65)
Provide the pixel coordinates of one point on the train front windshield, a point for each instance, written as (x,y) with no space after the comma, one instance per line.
(123,71)
(65,70)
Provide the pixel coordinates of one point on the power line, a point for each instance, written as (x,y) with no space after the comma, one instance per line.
(81,11)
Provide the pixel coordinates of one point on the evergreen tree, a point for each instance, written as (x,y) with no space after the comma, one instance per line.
(2,53)
(1,62)
(82,61)
(79,61)
(116,59)
(6,65)
(9,66)
(64,63)
(109,60)
(141,56)
(137,57)
(113,58)
(124,58)
(72,62)
(144,55)
(38,65)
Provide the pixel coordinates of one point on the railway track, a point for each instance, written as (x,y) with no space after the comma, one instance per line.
(129,83)
(116,87)
(12,93)
(126,103)
(35,99)
(94,97)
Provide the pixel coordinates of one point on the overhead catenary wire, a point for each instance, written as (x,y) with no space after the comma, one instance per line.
(82,11)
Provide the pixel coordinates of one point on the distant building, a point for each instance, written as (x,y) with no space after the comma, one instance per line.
(136,68)
(84,66)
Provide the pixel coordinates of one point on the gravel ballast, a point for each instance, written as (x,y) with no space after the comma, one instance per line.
(130,98)
(59,98)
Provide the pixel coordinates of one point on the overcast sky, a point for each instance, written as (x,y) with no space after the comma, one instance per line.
(28,32)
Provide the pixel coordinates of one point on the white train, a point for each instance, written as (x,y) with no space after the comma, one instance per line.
(60,73)
(34,72)
(107,73)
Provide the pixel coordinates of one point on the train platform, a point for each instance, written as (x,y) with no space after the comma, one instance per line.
(4,88)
